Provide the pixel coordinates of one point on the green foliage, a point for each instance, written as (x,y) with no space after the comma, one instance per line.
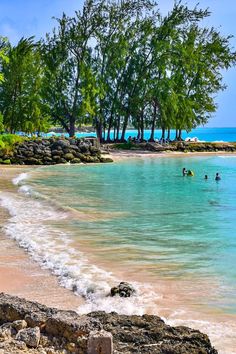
(6,162)
(115,64)
(21,101)
(7,141)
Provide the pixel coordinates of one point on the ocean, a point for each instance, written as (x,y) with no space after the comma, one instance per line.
(202,134)
(137,220)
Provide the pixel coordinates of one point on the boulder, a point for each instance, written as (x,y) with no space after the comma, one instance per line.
(19,324)
(100,342)
(69,156)
(74,147)
(60,143)
(84,148)
(33,161)
(123,290)
(75,160)
(94,150)
(57,152)
(56,158)
(31,336)
(105,159)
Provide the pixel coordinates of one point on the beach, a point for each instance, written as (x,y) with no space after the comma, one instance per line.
(20,275)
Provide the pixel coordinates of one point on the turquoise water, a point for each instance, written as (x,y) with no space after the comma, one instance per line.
(146,215)
(203,134)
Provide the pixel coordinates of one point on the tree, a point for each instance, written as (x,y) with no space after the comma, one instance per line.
(66,53)
(20,100)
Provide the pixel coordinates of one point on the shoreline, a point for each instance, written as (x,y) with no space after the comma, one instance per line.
(118,155)
(19,274)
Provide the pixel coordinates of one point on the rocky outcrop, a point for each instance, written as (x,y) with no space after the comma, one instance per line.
(54,151)
(28,327)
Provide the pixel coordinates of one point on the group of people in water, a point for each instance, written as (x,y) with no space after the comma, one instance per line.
(191,173)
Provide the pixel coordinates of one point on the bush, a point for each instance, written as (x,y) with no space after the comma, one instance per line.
(7,141)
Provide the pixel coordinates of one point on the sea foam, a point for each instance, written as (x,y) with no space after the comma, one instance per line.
(21,177)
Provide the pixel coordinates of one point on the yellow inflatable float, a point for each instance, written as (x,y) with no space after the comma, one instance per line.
(190,173)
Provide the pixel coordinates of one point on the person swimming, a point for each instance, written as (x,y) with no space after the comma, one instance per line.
(217,178)
(206,177)
(184,171)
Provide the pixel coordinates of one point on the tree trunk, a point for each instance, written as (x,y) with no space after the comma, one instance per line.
(176,134)
(124,127)
(163,131)
(168,134)
(72,127)
(109,130)
(99,130)
(142,126)
(139,133)
(180,135)
(153,123)
(117,130)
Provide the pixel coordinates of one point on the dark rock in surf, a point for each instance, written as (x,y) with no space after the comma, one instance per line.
(123,290)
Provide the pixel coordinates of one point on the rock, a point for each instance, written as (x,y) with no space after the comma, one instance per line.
(62,160)
(51,151)
(33,161)
(71,347)
(76,160)
(90,159)
(105,159)
(31,336)
(66,331)
(60,143)
(94,150)
(84,148)
(74,147)
(20,324)
(123,290)
(100,342)
(21,345)
(149,334)
(70,325)
(69,156)
(56,158)
(5,332)
(57,152)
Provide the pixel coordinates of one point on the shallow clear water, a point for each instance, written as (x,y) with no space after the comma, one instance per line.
(139,220)
(174,226)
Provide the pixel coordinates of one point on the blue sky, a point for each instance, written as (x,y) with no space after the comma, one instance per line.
(24,18)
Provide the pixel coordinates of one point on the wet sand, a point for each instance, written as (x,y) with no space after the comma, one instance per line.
(19,274)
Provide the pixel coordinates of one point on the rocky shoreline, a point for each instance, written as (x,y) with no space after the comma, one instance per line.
(53,151)
(181,146)
(28,327)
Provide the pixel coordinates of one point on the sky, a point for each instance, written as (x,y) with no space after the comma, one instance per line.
(25,18)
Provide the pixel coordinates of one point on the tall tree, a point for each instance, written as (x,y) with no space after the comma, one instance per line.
(20,101)
(67,58)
